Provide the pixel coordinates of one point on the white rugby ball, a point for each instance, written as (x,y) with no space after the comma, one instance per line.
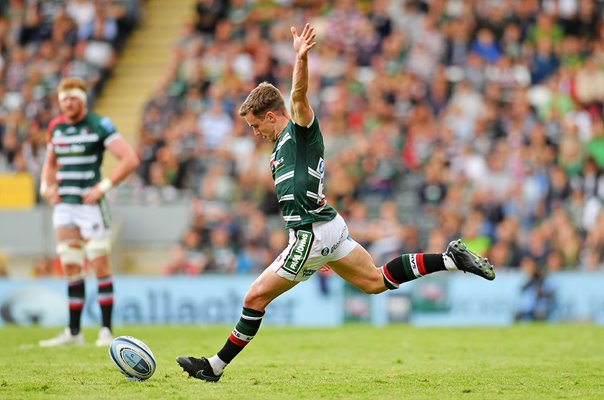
(132,357)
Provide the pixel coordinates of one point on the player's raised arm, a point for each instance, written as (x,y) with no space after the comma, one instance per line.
(302,112)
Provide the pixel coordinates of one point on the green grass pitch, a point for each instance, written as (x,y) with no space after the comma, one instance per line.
(349,362)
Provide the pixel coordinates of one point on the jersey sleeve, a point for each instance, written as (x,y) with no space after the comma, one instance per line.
(107,130)
(311,132)
(51,126)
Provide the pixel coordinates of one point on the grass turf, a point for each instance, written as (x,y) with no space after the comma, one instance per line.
(350,362)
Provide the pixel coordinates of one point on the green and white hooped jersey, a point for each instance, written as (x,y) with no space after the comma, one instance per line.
(298,170)
(79,152)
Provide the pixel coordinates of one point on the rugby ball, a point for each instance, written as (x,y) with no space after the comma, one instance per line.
(132,357)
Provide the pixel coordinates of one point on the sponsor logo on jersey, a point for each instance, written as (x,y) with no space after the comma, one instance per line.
(107,124)
(276,165)
(70,149)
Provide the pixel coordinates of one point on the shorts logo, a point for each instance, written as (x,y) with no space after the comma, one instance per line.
(344,235)
(308,272)
(299,252)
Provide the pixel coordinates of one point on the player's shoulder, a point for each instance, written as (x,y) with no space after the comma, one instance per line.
(311,132)
(56,121)
(101,120)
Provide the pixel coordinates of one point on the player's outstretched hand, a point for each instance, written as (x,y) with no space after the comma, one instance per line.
(305,41)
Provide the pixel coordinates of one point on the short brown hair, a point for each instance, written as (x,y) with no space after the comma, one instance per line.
(71,83)
(265,97)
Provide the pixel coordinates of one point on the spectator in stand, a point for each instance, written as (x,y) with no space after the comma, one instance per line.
(223,257)
(209,13)
(47,267)
(595,145)
(187,258)
(400,78)
(537,294)
(81,11)
(480,105)
(485,46)
(39,46)
(100,35)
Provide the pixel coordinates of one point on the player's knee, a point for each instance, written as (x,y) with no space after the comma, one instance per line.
(101,267)
(373,288)
(70,252)
(98,247)
(374,285)
(254,300)
(250,300)
(72,270)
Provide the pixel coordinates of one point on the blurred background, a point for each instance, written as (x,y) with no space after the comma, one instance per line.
(442,119)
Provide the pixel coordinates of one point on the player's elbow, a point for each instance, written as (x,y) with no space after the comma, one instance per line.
(297,95)
(136,161)
(133,162)
(298,99)
(302,114)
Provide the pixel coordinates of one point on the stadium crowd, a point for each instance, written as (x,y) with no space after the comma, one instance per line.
(42,42)
(442,118)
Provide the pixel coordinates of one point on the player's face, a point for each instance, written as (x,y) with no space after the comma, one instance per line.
(72,107)
(263,126)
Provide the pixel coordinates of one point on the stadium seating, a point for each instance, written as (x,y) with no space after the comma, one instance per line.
(476,120)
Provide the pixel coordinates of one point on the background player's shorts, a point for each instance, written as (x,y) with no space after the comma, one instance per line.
(91,219)
(310,248)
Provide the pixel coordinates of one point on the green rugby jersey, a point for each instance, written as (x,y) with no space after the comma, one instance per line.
(298,169)
(79,152)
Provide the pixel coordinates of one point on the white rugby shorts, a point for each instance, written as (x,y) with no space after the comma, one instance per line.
(91,219)
(310,249)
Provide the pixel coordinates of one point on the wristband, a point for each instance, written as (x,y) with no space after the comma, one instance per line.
(105,185)
(43,187)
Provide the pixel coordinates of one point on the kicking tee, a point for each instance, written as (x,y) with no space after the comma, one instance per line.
(298,170)
(79,150)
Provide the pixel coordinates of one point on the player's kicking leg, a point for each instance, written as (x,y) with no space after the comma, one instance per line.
(199,368)
(468,261)
(359,270)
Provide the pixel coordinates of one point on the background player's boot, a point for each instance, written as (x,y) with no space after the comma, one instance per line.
(105,337)
(64,338)
(199,368)
(469,261)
